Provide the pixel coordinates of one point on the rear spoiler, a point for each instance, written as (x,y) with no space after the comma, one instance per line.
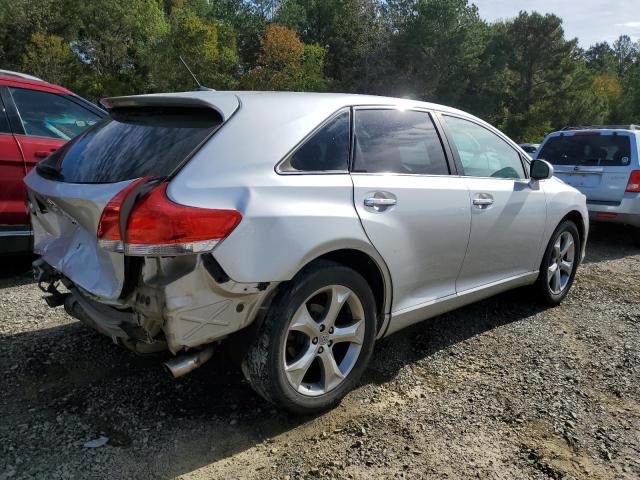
(222,102)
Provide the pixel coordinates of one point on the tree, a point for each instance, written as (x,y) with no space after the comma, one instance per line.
(522,74)
(21,19)
(601,58)
(111,38)
(50,57)
(353,34)
(437,50)
(206,46)
(549,84)
(285,63)
(625,53)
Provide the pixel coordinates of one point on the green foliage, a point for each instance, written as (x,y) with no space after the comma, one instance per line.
(206,46)
(521,74)
(285,63)
(354,35)
(50,57)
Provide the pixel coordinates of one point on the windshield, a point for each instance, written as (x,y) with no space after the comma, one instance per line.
(592,149)
(132,143)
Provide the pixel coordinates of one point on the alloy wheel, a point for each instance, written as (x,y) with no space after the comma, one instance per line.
(561,263)
(324,340)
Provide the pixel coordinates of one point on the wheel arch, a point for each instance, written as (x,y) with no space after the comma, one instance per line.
(576,217)
(370,270)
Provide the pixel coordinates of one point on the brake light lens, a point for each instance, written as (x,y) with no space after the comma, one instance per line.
(159,227)
(586,133)
(109,234)
(634,182)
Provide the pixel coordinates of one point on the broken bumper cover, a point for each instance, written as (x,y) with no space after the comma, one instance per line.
(105,319)
(177,305)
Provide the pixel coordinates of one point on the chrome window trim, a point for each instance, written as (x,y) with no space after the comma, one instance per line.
(279,168)
(498,134)
(407,174)
(16,233)
(40,136)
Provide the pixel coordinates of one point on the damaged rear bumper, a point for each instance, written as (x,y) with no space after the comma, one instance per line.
(177,303)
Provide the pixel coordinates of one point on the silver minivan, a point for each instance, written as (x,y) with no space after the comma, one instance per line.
(301,227)
(603,163)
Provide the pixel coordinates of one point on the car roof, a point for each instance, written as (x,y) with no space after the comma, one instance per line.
(300,99)
(599,130)
(18,81)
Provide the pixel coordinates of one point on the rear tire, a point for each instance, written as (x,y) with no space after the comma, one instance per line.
(559,264)
(315,341)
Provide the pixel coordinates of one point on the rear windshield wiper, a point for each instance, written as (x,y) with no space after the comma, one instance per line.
(49,172)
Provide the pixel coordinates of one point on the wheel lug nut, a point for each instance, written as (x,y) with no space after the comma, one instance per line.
(322,328)
(320,350)
(330,342)
(331,330)
(315,340)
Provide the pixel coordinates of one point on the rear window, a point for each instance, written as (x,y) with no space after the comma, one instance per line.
(595,150)
(132,143)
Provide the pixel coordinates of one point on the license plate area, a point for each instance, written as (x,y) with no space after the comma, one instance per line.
(579,180)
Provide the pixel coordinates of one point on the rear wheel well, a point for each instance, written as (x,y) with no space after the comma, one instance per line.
(365,266)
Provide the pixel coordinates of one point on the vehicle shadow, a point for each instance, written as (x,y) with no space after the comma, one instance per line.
(608,241)
(15,270)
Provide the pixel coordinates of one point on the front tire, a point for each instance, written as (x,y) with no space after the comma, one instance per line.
(315,341)
(559,264)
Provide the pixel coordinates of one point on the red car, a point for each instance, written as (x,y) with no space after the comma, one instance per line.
(36,118)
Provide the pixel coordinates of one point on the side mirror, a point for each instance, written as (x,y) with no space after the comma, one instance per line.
(540,169)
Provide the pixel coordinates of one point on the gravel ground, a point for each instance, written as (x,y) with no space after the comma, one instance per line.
(501,389)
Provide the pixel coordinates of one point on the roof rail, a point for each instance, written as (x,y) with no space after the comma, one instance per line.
(11,73)
(605,127)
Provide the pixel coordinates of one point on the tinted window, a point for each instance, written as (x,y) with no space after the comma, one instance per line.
(132,143)
(399,142)
(326,150)
(483,153)
(587,149)
(50,115)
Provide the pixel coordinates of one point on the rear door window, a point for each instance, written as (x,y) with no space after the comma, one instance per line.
(588,148)
(132,143)
(44,114)
(397,141)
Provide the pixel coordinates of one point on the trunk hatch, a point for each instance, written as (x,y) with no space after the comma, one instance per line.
(596,163)
(69,190)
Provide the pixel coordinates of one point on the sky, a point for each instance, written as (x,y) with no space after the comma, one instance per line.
(591,21)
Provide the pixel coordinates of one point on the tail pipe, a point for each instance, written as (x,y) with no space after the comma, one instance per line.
(179,366)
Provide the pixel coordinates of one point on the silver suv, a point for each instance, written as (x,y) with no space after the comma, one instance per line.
(601,162)
(302,227)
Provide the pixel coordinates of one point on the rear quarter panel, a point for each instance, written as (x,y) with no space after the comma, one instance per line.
(288,220)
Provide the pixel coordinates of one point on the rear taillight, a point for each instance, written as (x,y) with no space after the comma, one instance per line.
(109,235)
(633,185)
(157,226)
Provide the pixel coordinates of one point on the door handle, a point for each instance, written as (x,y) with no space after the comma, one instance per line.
(43,153)
(379,202)
(483,200)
